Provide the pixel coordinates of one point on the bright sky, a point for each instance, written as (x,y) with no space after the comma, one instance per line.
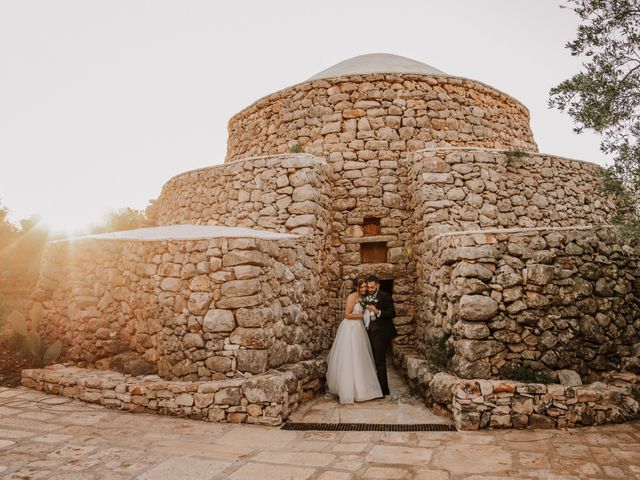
(101,102)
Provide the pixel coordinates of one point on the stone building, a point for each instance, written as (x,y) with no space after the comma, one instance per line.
(496,255)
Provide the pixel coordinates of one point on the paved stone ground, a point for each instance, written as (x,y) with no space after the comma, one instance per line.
(48,437)
(398,408)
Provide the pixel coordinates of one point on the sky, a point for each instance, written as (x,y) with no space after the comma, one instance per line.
(101,102)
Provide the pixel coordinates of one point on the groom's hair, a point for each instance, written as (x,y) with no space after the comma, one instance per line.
(373,278)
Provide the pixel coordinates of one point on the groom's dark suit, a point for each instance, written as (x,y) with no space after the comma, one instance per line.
(381,331)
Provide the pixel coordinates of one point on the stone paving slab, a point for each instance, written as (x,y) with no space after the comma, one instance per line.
(398,408)
(79,441)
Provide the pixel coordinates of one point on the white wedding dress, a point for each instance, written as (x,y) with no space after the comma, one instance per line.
(351,372)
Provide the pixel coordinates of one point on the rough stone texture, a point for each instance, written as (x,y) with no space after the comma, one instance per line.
(507,404)
(265,399)
(478,404)
(490,250)
(373,115)
(539,309)
(109,297)
(491,189)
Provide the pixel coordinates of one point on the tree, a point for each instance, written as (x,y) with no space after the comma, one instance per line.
(122,219)
(605,96)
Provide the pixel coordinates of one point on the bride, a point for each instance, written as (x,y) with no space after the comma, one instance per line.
(351,372)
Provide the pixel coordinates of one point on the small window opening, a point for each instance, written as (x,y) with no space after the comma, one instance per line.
(371,226)
(374,252)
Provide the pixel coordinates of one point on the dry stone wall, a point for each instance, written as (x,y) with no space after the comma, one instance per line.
(544,298)
(507,404)
(190,310)
(282,193)
(374,189)
(470,189)
(265,399)
(366,117)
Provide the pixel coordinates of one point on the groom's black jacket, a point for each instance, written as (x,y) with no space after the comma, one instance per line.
(387,314)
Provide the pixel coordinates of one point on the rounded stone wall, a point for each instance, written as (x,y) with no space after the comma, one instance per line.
(379,116)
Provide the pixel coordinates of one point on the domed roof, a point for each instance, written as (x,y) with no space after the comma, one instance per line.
(377,63)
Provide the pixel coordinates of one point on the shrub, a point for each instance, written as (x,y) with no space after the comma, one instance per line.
(526,374)
(515,157)
(441,351)
(30,338)
(295,148)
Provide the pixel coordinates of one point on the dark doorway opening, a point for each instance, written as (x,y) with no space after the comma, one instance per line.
(387,286)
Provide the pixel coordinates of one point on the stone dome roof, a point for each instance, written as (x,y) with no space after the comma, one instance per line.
(377,63)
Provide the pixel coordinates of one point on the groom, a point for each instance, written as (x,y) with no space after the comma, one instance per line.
(381,329)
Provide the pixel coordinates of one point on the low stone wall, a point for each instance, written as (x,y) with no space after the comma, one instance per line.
(188,309)
(477,403)
(546,299)
(380,117)
(265,399)
(506,404)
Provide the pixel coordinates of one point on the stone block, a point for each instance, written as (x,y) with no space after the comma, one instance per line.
(252,338)
(476,308)
(199,302)
(171,284)
(240,288)
(471,330)
(245,272)
(244,257)
(184,399)
(239,302)
(199,283)
(265,389)
(304,193)
(218,364)
(219,320)
(228,396)
(569,378)
(296,221)
(452,255)
(252,361)
(303,177)
(442,386)
(539,274)
(433,177)
(473,350)
(541,421)
(392,200)
(193,340)
(476,270)
(202,400)
(254,317)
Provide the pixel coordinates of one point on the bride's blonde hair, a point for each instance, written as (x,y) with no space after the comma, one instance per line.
(357,282)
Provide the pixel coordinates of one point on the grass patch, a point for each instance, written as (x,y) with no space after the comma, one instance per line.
(526,374)
(296,148)
(515,157)
(441,352)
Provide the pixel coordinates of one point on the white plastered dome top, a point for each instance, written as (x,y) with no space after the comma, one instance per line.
(377,63)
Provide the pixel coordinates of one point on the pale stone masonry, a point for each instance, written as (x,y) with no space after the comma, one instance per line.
(380,165)
(264,399)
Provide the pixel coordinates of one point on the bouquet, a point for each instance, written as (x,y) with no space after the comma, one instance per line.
(365,301)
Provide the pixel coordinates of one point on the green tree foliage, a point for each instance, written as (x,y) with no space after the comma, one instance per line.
(122,219)
(605,95)
(21,247)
